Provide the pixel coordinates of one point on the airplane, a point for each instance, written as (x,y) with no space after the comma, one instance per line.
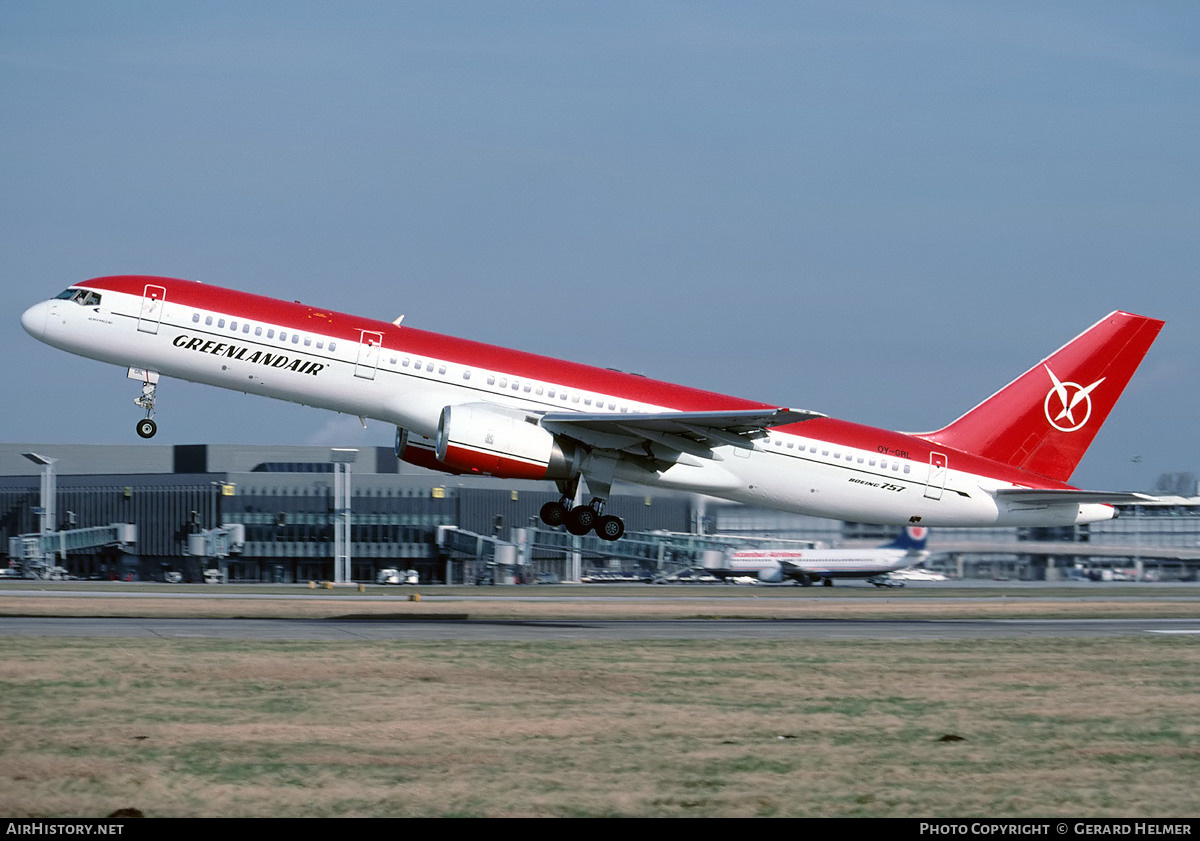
(463,407)
(809,566)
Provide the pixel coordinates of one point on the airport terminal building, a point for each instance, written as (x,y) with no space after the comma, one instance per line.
(283,498)
(282,506)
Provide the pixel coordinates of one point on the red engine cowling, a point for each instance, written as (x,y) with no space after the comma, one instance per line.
(494,441)
(419,450)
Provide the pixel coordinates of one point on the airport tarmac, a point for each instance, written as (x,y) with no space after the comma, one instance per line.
(383,628)
(377,622)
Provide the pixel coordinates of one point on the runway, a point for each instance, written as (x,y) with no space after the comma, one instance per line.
(347,630)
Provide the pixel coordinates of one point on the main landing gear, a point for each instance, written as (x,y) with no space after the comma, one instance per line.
(147,427)
(581,519)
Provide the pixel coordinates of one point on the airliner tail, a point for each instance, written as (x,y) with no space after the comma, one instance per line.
(1043,421)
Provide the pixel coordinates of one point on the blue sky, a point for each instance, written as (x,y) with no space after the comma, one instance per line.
(881,211)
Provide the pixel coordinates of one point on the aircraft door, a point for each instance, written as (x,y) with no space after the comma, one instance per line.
(368,355)
(938,468)
(152,308)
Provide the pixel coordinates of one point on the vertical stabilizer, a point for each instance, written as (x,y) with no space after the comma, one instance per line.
(912,538)
(1044,421)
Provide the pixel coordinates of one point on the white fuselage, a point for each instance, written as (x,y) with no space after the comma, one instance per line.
(824,562)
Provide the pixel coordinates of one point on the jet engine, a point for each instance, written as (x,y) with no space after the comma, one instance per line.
(772,574)
(491,440)
(414,448)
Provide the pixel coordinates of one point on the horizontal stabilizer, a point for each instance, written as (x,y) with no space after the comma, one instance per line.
(1070,496)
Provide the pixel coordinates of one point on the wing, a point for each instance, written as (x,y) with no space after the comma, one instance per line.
(667,436)
(1057,497)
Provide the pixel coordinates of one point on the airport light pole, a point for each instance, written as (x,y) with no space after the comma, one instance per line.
(47,504)
(342,459)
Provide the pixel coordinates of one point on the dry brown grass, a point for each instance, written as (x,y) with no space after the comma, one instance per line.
(210,728)
(675,728)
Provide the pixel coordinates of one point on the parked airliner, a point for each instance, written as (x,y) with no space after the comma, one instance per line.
(464,407)
(809,566)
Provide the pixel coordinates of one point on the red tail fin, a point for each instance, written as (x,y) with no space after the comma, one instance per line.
(1044,420)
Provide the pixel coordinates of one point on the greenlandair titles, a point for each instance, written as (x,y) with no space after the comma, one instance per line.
(244,353)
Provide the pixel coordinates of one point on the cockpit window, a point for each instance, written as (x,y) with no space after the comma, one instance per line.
(83,297)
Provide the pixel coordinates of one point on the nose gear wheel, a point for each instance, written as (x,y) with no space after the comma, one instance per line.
(147,427)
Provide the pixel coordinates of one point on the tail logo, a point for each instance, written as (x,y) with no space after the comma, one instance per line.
(1067,414)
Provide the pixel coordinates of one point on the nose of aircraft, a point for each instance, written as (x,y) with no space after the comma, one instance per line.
(34,319)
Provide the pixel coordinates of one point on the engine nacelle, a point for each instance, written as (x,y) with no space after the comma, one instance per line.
(419,450)
(491,440)
(772,574)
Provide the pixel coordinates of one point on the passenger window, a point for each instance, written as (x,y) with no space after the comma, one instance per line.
(208,321)
(195,318)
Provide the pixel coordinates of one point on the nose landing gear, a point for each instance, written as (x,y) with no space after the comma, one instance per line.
(147,427)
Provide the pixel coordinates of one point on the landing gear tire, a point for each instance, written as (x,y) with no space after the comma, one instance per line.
(581,519)
(553,514)
(610,528)
(146,428)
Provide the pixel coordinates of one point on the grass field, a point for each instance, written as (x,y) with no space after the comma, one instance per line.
(1073,728)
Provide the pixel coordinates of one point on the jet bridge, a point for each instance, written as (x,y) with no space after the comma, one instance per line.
(639,556)
(33,554)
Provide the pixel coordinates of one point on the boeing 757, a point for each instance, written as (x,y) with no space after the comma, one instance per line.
(465,407)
